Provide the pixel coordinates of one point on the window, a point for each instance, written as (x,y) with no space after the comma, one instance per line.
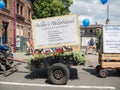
(19,30)
(29,13)
(20,6)
(90,32)
(29,33)
(17,8)
(5,1)
(21,10)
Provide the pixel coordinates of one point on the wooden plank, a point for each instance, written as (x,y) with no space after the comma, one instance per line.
(109,56)
(10,71)
(110,64)
(17,60)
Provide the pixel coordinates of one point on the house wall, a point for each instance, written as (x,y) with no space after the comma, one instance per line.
(23,21)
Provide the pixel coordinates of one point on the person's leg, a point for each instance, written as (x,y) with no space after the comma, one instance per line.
(87,48)
(27,51)
(95,48)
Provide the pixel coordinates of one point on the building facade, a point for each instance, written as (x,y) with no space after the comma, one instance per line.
(88,32)
(22,23)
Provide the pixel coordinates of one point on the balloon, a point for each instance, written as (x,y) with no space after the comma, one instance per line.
(2,5)
(86,22)
(104,1)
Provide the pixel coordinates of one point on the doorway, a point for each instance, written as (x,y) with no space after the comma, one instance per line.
(4,35)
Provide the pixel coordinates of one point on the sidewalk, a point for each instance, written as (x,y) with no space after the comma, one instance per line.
(20,56)
(92,60)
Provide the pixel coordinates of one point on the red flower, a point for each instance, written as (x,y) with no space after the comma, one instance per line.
(59,50)
(36,58)
(54,54)
(46,53)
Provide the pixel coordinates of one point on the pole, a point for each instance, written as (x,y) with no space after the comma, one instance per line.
(107,11)
(14,26)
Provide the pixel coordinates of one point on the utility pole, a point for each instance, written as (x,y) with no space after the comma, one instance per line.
(14,26)
(107,20)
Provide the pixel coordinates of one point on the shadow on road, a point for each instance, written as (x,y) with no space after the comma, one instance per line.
(111,73)
(42,74)
(73,73)
(91,71)
(37,74)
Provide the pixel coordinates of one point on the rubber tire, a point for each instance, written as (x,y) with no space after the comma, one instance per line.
(98,68)
(103,73)
(61,67)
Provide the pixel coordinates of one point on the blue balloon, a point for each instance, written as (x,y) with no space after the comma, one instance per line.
(104,1)
(2,5)
(86,22)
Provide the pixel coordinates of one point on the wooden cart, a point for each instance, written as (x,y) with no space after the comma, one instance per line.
(109,56)
(108,61)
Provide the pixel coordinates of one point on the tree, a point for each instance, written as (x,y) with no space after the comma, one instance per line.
(49,8)
(99,38)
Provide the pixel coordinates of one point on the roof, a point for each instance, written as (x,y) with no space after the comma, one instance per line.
(92,26)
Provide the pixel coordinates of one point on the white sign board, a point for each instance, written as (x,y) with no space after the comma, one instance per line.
(111,39)
(56,31)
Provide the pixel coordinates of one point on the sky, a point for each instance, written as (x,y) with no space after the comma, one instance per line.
(95,11)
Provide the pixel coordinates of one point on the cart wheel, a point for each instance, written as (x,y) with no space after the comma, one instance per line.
(58,74)
(103,73)
(98,68)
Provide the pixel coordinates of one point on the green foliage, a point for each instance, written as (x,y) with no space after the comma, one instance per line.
(49,8)
(67,54)
(36,59)
(98,32)
(79,57)
(99,37)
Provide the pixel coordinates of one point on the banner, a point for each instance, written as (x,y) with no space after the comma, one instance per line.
(111,39)
(56,31)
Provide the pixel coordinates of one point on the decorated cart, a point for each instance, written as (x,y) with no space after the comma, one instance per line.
(109,56)
(58,63)
(56,47)
(55,40)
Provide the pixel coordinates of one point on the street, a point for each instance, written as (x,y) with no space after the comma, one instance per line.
(82,78)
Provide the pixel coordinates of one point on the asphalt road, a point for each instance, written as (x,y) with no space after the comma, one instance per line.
(82,78)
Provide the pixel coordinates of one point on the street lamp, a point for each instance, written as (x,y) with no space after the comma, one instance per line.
(107,20)
(14,26)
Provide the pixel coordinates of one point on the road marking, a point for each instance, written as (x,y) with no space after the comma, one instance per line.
(59,86)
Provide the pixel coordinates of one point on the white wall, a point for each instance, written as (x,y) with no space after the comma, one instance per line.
(85,40)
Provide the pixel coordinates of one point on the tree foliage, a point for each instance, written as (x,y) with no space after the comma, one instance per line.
(99,37)
(49,8)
